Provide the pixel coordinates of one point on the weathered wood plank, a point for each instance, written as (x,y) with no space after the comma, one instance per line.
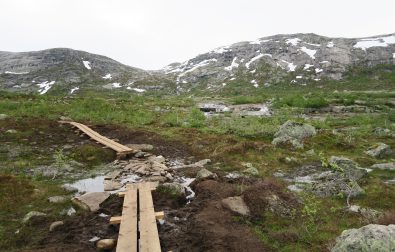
(127,238)
(115,220)
(149,238)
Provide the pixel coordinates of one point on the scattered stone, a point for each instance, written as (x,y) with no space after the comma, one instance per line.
(57,199)
(69,212)
(385,166)
(91,201)
(3,116)
(236,205)
(372,237)
(159,179)
(11,131)
(32,214)
(106,244)
(380,150)
(111,185)
(200,163)
(94,239)
(251,171)
(65,118)
(55,225)
(141,147)
(350,168)
(204,173)
(140,154)
(157,159)
(113,175)
(67,147)
(293,133)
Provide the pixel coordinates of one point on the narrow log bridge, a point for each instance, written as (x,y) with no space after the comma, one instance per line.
(138,231)
(121,150)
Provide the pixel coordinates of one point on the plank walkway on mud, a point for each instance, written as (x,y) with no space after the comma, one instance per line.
(121,150)
(138,230)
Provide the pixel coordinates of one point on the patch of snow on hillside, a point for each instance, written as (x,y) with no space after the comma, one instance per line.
(116,85)
(393,55)
(253,71)
(87,64)
(138,90)
(317,79)
(45,86)
(8,72)
(233,65)
(324,62)
(255,83)
(317,45)
(299,77)
(294,41)
(200,64)
(259,41)
(291,66)
(307,66)
(233,78)
(224,84)
(309,52)
(375,42)
(318,70)
(221,50)
(330,44)
(74,89)
(107,77)
(256,58)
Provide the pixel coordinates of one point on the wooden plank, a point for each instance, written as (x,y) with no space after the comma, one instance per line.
(149,238)
(153,186)
(115,220)
(127,238)
(119,148)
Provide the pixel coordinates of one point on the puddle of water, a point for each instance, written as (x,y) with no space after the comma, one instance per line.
(89,185)
(185,182)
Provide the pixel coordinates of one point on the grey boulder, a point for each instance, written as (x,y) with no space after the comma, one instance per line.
(293,133)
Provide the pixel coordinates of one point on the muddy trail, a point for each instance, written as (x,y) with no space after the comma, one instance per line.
(199,223)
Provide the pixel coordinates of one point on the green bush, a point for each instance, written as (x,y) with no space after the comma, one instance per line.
(196,118)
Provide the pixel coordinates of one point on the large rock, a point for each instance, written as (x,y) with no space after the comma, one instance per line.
(111,185)
(351,169)
(236,205)
(380,150)
(370,238)
(204,173)
(3,116)
(91,201)
(293,133)
(385,166)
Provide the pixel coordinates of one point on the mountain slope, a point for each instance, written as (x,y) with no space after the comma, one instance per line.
(297,58)
(67,70)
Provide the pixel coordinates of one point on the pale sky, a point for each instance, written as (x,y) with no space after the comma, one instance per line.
(150,34)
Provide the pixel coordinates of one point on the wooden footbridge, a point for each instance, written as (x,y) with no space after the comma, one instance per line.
(138,231)
(121,150)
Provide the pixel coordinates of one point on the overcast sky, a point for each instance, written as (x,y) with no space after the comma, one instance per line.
(153,33)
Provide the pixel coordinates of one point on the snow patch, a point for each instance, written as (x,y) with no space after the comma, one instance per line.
(200,64)
(45,86)
(221,50)
(317,45)
(291,66)
(233,78)
(307,66)
(74,89)
(255,83)
(318,70)
(256,58)
(309,52)
(299,77)
(224,84)
(330,44)
(233,65)
(116,85)
(138,90)
(294,41)
(107,77)
(259,41)
(87,64)
(8,72)
(253,71)
(375,42)
(393,55)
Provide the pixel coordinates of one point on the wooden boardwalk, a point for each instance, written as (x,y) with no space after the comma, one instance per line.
(138,230)
(122,150)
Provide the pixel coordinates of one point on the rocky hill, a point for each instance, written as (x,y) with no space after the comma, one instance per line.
(68,71)
(296,58)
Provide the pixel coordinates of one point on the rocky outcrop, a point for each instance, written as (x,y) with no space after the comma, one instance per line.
(368,238)
(293,133)
(380,150)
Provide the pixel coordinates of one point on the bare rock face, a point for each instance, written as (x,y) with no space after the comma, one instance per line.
(380,150)
(368,238)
